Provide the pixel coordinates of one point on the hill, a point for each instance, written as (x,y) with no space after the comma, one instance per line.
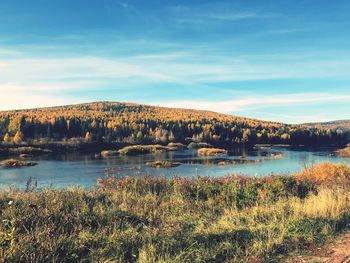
(135,123)
(334,125)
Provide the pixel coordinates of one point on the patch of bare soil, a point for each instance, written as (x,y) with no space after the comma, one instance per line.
(335,252)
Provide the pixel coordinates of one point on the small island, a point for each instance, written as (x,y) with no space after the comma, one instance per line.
(145,149)
(211,151)
(13,163)
(163,164)
(107,153)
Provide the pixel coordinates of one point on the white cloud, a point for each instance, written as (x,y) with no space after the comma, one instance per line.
(40,79)
(204,17)
(232,16)
(14,96)
(14,101)
(256,102)
(182,67)
(82,67)
(123,4)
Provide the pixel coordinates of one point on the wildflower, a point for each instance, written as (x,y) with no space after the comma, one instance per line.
(10,202)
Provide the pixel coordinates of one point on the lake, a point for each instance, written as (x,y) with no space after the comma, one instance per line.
(74,169)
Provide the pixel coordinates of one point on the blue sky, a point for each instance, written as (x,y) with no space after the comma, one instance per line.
(285,60)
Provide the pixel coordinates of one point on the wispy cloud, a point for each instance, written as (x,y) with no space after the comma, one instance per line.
(123,4)
(233,16)
(258,101)
(212,12)
(39,69)
(161,68)
(191,68)
(16,97)
(290,118)
(41,78)
(222,16)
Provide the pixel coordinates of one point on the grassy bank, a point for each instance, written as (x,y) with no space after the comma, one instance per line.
(180,220)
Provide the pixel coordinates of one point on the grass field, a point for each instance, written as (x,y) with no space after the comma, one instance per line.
(146,219)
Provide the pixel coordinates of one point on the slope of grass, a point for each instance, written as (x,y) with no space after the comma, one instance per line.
(146,219)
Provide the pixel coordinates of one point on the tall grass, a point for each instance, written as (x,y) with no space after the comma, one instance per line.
(148,219)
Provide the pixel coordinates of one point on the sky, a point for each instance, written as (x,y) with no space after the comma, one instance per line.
(286,61)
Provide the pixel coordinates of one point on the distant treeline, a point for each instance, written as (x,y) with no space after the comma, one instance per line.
(334,125)
(133,123)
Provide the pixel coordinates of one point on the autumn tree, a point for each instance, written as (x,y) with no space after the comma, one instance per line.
(7,138)
(88,137)
(139,136)
(171,137)
(140,123)
(18,137)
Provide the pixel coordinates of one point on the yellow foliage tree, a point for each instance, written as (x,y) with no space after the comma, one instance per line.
(285,136)
(88,137)
(18,137)
(7,138)
(171,137)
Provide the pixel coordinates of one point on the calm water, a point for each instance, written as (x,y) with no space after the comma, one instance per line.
(83,170)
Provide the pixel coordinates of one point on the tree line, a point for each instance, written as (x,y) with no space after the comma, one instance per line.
(133,123)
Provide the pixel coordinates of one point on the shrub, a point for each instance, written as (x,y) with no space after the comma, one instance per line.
(326,174)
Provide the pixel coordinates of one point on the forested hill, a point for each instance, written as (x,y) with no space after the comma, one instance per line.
(134,123)
(334,125)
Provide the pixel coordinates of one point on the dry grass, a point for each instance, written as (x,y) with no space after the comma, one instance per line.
(328,203)
(147,219)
